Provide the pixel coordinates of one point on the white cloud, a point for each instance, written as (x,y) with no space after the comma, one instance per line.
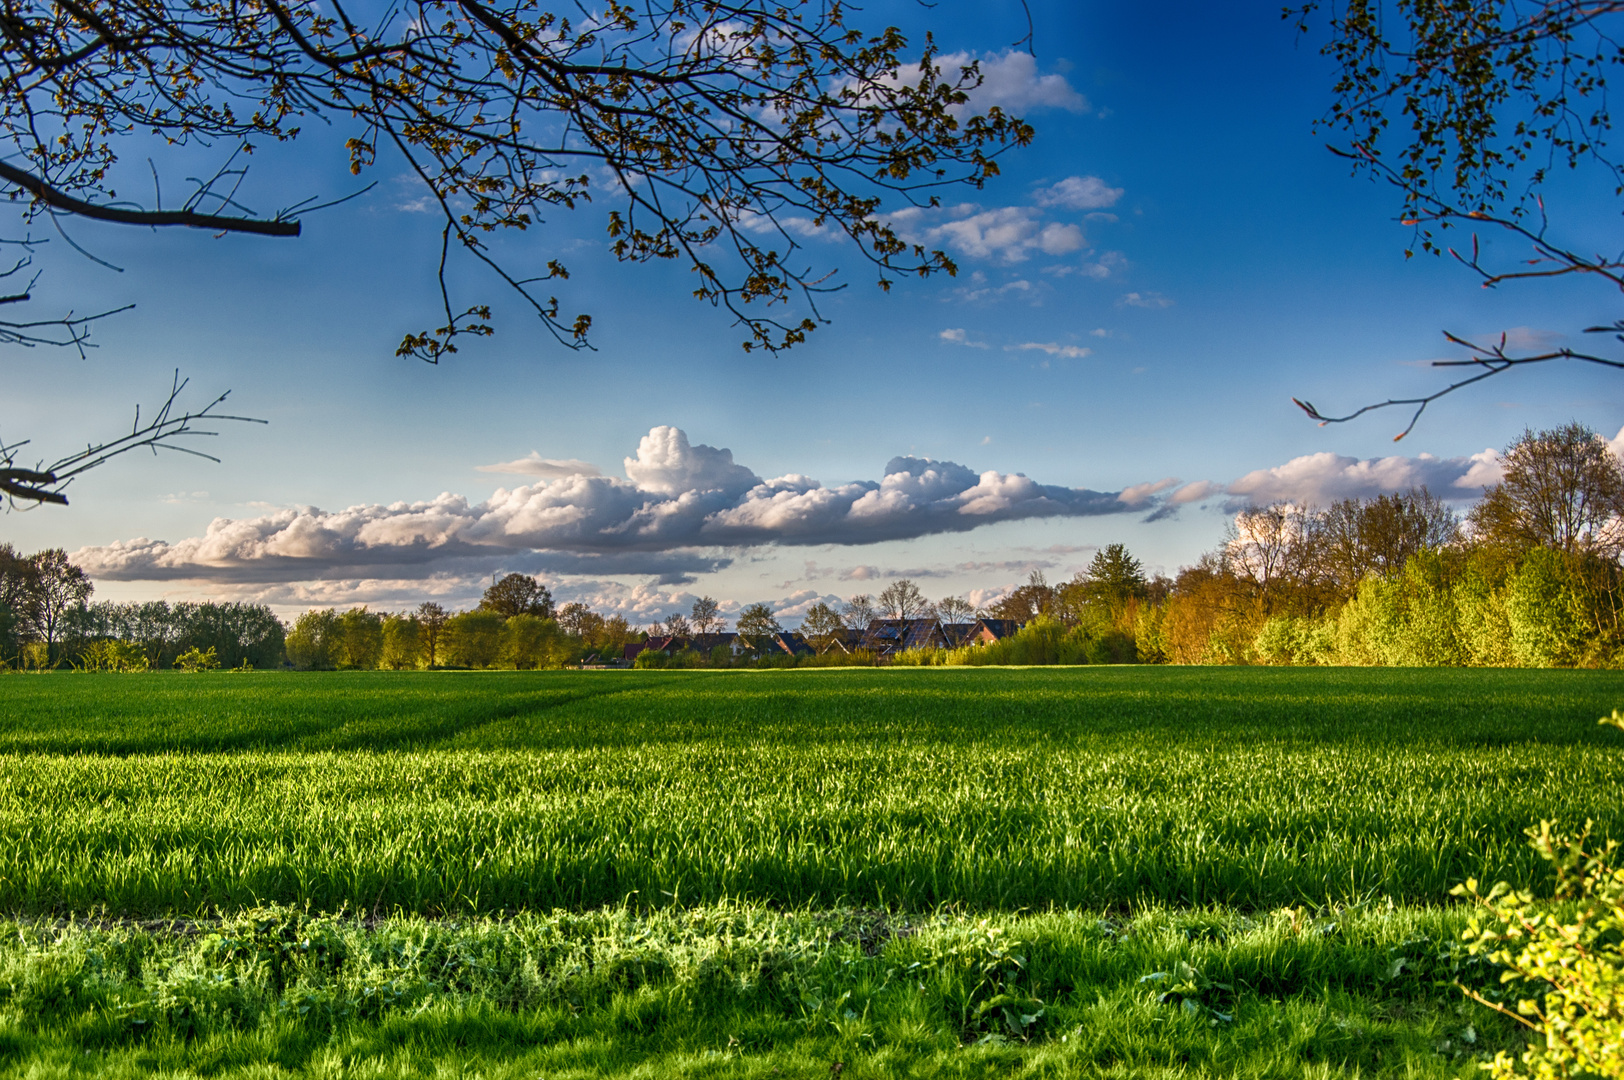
(1144,300)
(547,468)
(1068,352)
(1078,193)
(680,508)
(1010,80)
(959,337)
(1137,494)
(1008,233)
(1325,477)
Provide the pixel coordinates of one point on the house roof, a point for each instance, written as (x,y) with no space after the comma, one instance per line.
(889,635)
(996,629)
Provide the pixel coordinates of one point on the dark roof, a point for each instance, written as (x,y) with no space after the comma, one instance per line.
(707,642)
(793,643)
(957,632)
(889,635)
(997,629)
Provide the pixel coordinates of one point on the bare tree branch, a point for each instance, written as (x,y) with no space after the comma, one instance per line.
(46,483)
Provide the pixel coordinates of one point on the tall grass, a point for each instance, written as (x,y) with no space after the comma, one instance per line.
(449,794)
(736,990)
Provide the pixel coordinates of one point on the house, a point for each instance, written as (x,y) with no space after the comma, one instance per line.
(987,631)
(705,644)
(886,636)
(957,633)
(792,643)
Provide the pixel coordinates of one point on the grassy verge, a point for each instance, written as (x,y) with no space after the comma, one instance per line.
(741,991)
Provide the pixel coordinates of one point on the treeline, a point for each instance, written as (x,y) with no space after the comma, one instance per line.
(1529,576)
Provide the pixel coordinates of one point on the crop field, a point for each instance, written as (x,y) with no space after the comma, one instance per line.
(981,866)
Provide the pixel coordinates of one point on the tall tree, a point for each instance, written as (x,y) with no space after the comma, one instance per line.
(955,609)
(859,611)
(56,586)
(706,616)
(1356,537)
(902,600)
(822,626)
(518,594)
(677,626)
(1029,601)
(433,618)
(1563,489)
(757,625)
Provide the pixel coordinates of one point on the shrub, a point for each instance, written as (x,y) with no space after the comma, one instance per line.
(650,658)
(119,656)
(1288,640)
(194,660)
(1572,954)
(312,642)
(1547,629)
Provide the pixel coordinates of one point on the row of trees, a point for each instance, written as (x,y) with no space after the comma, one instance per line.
(1530,576)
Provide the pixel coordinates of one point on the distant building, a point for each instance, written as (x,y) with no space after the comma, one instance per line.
(987,631)
(887,636)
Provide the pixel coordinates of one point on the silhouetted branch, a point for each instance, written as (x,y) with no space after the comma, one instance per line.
(45,483)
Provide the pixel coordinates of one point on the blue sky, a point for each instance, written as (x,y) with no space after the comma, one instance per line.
(1140,295)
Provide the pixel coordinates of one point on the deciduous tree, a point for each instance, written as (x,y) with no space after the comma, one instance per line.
(1563,489)
(822,626)
(706,616)
(518,594)
(433,619)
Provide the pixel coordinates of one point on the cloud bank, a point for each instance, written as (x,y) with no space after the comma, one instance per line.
(679,508)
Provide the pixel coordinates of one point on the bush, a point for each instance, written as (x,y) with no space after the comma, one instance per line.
(119,656)
(1547,629)
(1574,957)
(650,658)
(194,660)
(1287,640)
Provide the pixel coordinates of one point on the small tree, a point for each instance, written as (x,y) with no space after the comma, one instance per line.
(859,611)
(902,600)
(758,626)
(518,594)
(822,626)
(706,616)
(432,618)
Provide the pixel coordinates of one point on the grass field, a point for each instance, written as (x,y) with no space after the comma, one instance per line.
(778,839)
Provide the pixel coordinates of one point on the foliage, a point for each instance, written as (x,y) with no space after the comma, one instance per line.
(822,626)
(1297,641)
(114,656)
(1546,630)
(757,625)
(473,639)
(195,660)
(738,988)
(403,643)
(1569,958)
(530,641)
(518,594)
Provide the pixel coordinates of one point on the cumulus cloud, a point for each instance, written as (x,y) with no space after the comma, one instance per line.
(1144,300)
(1009,233)
(1079,193)
(1326,477)
(680,509)
(547,468)
(1010,80)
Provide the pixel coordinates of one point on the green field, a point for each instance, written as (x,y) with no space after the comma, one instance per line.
(1144,817)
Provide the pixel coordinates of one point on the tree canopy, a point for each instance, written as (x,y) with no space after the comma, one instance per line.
(1467,108)
(698,130)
